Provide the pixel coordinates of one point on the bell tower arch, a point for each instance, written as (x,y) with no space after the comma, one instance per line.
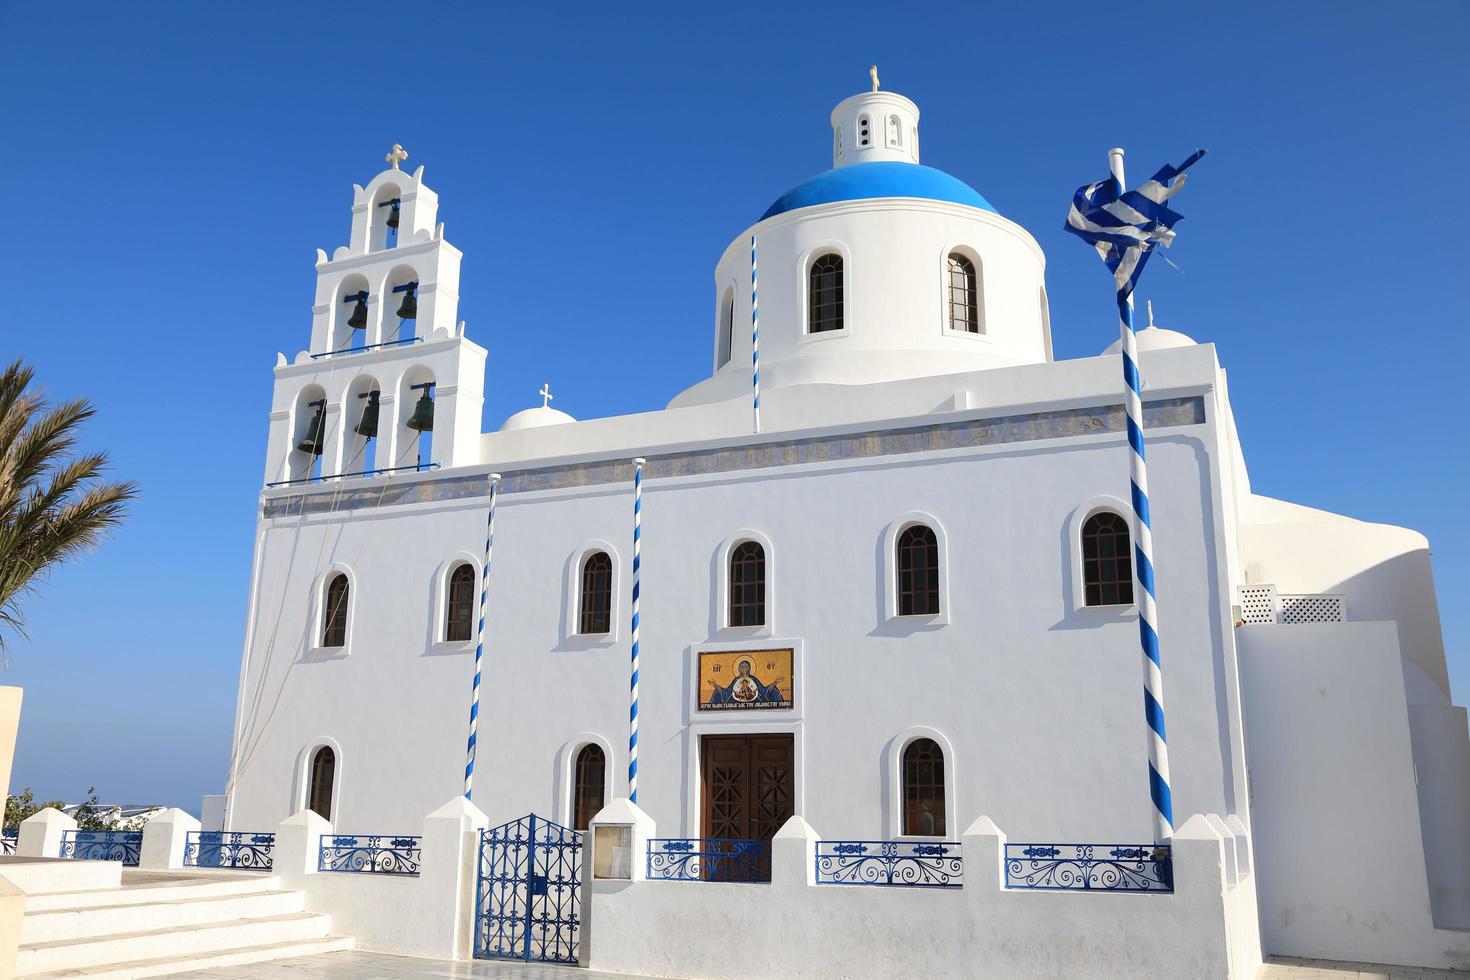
(385,318)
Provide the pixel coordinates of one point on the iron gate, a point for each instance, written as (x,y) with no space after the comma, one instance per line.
(528,897)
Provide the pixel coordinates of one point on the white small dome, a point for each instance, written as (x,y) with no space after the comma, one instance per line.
(534,418)
(1154,338)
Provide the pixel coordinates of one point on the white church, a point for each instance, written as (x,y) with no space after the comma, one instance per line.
(885,624)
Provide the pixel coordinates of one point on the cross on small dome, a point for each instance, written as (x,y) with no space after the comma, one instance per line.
(546,395)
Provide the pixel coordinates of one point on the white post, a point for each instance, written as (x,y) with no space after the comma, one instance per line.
(40,833)
(983,846)
(298,847)
(794,854)
(163,840)
(447,875)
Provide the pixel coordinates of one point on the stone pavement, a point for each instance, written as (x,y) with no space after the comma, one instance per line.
(358,965)
(1292,968)
(377,966)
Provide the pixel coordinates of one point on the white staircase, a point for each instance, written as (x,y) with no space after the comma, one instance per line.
(158,923)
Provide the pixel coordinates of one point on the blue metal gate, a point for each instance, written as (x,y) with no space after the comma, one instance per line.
(528,899)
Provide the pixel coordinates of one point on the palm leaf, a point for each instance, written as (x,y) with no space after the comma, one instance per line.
(54,504)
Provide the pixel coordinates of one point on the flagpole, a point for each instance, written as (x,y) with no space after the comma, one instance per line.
(755,337)
(469,766)
(638,465)
(1143,555)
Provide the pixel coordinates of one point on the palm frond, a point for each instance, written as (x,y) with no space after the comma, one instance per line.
(54,504)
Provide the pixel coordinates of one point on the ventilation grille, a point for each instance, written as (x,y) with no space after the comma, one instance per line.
(1312,609)
(1263,604)
(1258,603)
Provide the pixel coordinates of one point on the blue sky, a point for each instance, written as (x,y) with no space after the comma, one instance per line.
(172,167)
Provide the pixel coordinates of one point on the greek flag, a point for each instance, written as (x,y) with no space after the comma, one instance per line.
(1126,227)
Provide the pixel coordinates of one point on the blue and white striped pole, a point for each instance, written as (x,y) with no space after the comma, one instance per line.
(755,336)
(469,765)
(633,689)
(1143,557)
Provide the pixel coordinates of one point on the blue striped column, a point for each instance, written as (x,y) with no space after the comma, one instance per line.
(755,336)
(1143,557)
(638,465)
(469,765)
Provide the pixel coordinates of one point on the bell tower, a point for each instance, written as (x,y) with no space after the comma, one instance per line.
(389,384)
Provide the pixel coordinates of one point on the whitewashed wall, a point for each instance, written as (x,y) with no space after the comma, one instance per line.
(1038,696)
(794,928)
(1339,857)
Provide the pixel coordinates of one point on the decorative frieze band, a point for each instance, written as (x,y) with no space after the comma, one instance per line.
(1034,427)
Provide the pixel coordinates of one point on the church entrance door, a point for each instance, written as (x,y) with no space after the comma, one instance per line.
(748,793)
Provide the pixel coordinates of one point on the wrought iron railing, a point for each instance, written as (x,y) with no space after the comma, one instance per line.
(103,845)
(228,849)
(416,467)
(359,350)
(371,855)
(912,864)
(709,859)
(9,838)
(1091,867)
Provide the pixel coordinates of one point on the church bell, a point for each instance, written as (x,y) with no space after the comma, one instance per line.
(312,443)
(393,215)
(423,414)
(368,425)
(358,319)
(409,308)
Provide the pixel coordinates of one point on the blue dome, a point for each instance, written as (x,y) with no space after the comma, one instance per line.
(884,178)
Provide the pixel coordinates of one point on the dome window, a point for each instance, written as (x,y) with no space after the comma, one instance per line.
(895,132)
(824,294)
(962,294)
(727,327)
(865,133)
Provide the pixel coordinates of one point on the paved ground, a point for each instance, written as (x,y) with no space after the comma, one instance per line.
(375,966)
(1289,968)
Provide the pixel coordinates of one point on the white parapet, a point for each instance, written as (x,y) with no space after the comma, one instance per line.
(298,847)
(40,833)
(164,838)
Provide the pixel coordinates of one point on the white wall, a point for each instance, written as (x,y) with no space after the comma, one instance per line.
(1039,698)
(1339,860)
(1442,767)
(791,928)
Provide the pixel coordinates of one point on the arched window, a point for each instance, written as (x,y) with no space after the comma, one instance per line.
(323,771)
(824,294)
(1107,565)
(865,136)
(918,572)
(837,142)
(587,785)
(895,132)
(595,612)
(459,604)
(923,789)
(334,612)
(962,288)
(748,585)
(727,327)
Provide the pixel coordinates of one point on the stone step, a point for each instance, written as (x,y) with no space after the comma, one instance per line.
(95,921)
(179,941)
(189,962)
(186,887)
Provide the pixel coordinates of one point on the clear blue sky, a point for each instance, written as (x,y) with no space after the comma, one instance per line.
(172,166)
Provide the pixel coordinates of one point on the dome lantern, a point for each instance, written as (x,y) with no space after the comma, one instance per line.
(875,126)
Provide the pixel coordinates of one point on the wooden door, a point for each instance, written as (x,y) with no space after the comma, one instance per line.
(748,794)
